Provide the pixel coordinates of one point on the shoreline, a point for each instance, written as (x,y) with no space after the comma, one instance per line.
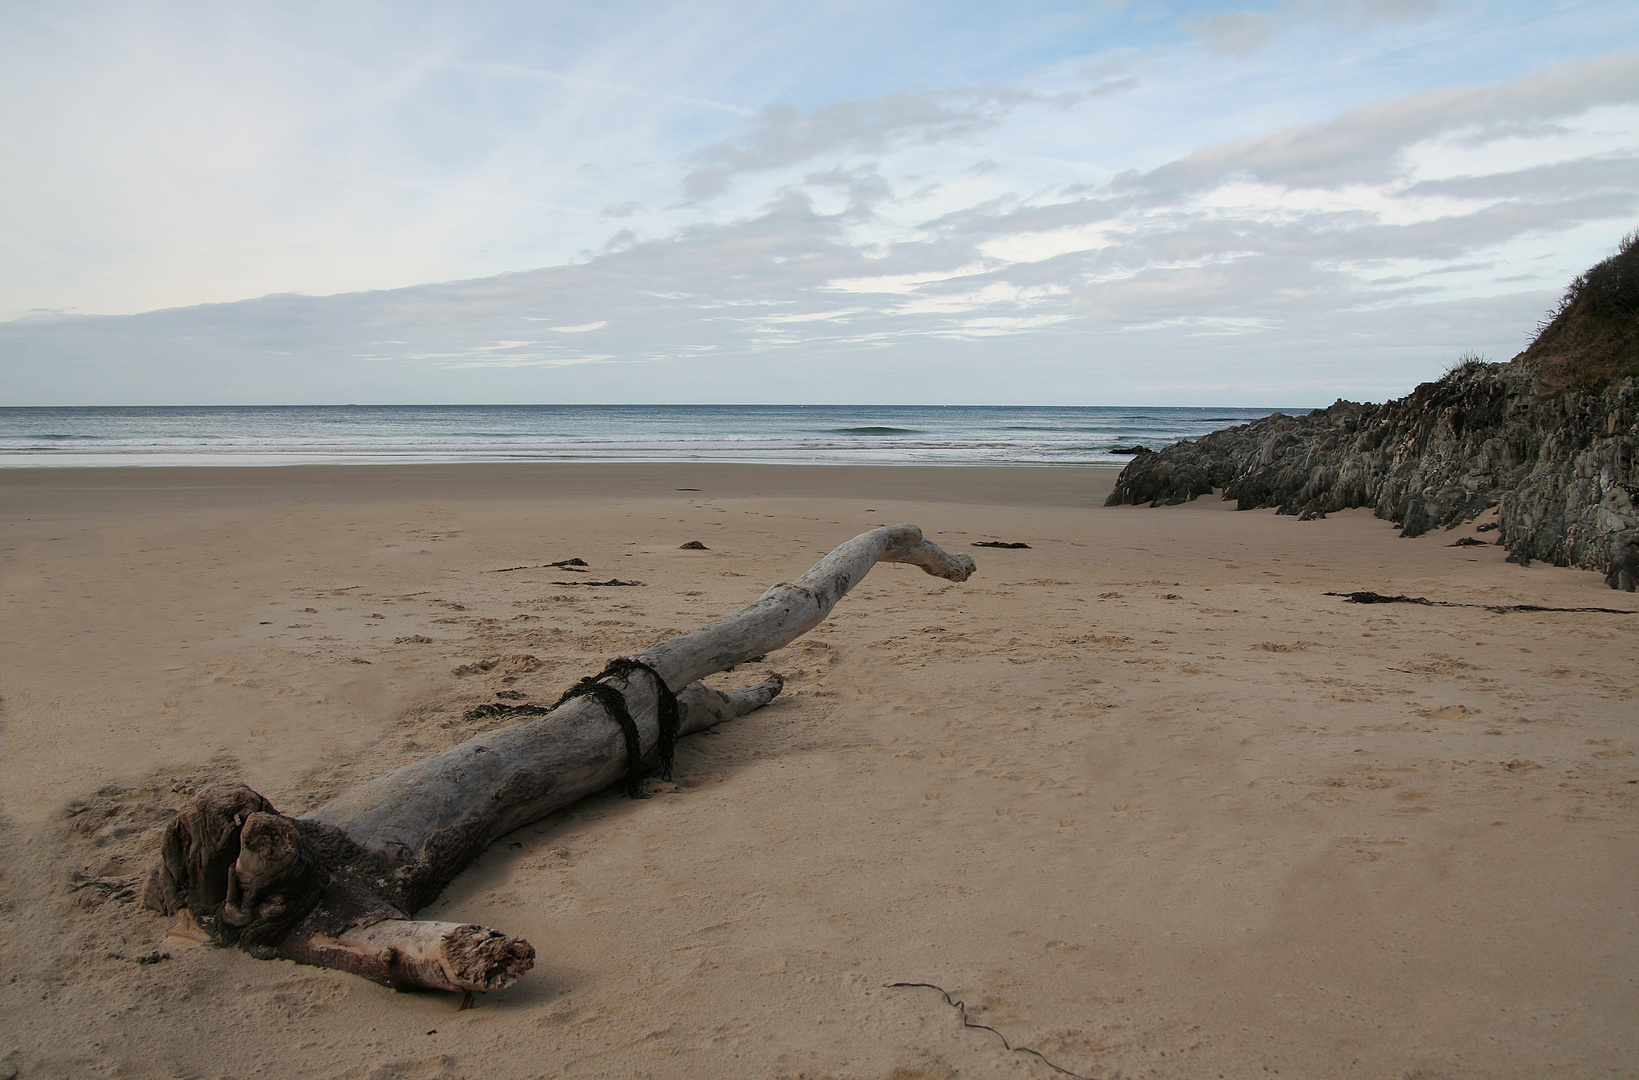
(171,461)
(32,462)
(175,487)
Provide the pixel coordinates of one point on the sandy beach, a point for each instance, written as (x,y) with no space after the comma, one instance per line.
(1142,795)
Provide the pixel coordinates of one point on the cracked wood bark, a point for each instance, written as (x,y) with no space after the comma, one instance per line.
(336,887)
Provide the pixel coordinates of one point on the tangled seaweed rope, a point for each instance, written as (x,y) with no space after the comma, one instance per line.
(614,703)
(670,716)
(1379,598)
(961,1008)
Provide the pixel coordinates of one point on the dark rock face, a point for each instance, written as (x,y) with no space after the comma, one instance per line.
(1559,467)
(1624,571)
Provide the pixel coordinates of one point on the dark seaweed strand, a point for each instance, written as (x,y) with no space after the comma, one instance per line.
(669,715)
(1378,598)
(961,1008)
(614,703)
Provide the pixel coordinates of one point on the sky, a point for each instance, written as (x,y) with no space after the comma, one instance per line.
(895,201)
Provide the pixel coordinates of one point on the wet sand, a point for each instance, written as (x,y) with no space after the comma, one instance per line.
(1141,794)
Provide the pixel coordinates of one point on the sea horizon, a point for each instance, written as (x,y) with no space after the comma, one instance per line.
(265,435)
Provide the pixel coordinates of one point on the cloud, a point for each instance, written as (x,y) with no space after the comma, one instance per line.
(784,135)
(1234,32)
(1557,180)
(1239,33)
(863,186)
(1353,189)
(1375,12)
(1363,145)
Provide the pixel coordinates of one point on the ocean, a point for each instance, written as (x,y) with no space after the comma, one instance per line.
(768,434)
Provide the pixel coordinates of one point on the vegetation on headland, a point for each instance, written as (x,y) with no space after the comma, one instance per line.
(1591,340)
(1548,439)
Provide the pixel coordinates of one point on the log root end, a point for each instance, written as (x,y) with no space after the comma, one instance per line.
(233,871)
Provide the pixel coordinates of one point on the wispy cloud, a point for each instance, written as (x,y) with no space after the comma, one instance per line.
(784,135)
(1365,144)
(1239,33)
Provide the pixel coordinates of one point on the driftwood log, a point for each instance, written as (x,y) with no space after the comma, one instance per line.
(337,887)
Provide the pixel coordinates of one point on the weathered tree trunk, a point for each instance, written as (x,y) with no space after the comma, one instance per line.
(336,887)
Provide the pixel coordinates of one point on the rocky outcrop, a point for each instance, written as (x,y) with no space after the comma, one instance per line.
(1548,438)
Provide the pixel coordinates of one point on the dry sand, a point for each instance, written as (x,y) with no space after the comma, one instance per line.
(1142,796)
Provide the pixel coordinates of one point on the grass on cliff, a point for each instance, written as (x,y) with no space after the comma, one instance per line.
(1591,339)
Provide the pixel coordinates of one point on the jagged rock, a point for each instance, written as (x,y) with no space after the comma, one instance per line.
(1624,571)
(1548,438)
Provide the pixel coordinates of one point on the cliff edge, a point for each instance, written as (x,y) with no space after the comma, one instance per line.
(1548,438)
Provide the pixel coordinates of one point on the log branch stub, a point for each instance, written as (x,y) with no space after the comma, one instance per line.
(407,954)
(791,609)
